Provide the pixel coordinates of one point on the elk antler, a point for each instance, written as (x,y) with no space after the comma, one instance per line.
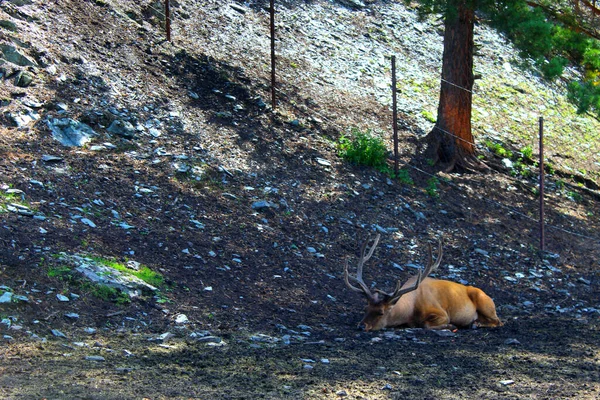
(359,270)
(423,273)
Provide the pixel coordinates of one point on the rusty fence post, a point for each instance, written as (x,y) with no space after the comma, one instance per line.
(395,115)
(272,12)
(168,20)
(541,130)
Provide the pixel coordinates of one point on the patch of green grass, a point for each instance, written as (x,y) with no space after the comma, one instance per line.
(428,116)
(574,196)
(498,149)
(12,198)
(363,148)
(527,152)
(144,273)
(60,272)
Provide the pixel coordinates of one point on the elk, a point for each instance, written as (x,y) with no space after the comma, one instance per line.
(421,301)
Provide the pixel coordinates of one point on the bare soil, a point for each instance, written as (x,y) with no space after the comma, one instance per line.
(267,283)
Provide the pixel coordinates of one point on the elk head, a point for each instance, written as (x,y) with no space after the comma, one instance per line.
(380,303)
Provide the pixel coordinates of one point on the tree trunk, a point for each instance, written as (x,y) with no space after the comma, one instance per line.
(451,142)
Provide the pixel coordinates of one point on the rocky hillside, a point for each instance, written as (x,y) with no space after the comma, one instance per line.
(166,234)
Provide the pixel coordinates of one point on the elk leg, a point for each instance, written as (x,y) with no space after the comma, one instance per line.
(438,320)
(486,312)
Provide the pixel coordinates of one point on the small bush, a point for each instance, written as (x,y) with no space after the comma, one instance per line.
(363,148)
(432,187)
(498,149)
(527,152)
(404,177)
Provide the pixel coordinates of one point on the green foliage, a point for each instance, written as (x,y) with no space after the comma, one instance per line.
(61,272)
(144,273)
(363,148)
(527,27)
(586,95)
(404,177)
(428,116)
(574,196)
(108,293)
(573,43)
(498,149)
(591,57)
(554,67)
(432,187)
(521,164)
(527,152)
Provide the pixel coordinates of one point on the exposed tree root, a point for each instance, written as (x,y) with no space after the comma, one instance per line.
(443,152)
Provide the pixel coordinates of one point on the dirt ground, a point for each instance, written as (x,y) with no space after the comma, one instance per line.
(267,312)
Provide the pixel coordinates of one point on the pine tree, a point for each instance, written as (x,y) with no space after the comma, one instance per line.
(549,35)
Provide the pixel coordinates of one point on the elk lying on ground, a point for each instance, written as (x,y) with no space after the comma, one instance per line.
(423,302)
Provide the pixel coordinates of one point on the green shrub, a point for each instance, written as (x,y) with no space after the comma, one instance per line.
(527,152)
(404,177)
(363,148)
(553,68)
(498,149)
(586,95)
(432,187)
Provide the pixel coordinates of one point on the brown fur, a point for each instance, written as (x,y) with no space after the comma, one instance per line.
(435,304)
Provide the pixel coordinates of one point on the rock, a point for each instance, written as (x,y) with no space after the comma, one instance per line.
(209,339)
(323,162)
(444,333)
(264,205)
(22,119)
(103,274)
(264,338)
(12,55)
(6,298)
(58,333)
(238,8)
(62,297)
(95,358)
(23,79)
(482,252)
(19,209)
(584,281)
(181,319)
(18,297)
(88,222)
(122,128)
(353,3)
(51,158)
(70,132)
(164,337)
(8,25)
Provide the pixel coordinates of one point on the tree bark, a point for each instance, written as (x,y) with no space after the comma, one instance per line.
(450,143)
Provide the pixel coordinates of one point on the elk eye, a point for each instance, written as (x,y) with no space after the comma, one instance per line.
(380,312)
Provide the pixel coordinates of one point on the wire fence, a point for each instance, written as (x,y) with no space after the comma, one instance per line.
(172,14)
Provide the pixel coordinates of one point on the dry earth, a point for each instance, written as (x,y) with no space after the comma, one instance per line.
(253,304)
